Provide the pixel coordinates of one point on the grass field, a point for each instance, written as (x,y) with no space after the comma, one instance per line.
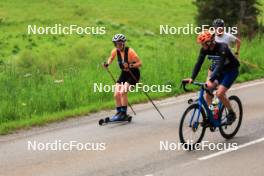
(45,78)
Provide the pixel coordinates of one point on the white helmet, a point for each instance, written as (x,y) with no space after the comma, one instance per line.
(119,37)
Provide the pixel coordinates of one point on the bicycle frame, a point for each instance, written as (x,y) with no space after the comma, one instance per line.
(203,104)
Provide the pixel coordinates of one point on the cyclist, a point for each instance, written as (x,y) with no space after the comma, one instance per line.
(224,37)
(224,72)
(129,62)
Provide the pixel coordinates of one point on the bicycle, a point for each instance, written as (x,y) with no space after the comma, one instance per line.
(200,108)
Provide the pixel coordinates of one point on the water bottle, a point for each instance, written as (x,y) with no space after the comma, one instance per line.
(216,113)
(216,109)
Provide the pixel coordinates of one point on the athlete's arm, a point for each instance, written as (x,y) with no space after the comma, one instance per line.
(111,57)
(238,43)
(198,64)
(235,40)
(110,60)
(137,63)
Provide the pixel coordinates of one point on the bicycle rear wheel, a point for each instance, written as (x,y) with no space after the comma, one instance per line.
(229,131)
(191,130)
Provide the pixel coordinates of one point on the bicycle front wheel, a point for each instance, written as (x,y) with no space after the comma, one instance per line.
(191,129)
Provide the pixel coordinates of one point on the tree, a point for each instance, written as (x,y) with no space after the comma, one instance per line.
(242,14)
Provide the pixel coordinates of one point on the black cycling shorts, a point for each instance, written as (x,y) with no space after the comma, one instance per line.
(126,77)
(228,78)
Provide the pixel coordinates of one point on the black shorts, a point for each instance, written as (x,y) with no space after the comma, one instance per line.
(126,77)
(228,78)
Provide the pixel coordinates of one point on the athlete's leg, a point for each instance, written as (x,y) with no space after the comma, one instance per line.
(124,100)
(117,96)
(208,96)
(221,94)
(209,93)
(225,84)
(124,92)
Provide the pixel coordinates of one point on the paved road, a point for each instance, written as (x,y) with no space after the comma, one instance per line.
(134,149)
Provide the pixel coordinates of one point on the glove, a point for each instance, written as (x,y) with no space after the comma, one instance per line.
(237,54)
(187,81)
(125,65)
(131,65)
(105,64)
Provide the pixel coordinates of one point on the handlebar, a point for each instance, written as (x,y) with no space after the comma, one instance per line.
(184,82)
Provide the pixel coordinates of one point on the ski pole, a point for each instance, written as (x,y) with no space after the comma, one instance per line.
(112,76)
(250,64)
(133,76)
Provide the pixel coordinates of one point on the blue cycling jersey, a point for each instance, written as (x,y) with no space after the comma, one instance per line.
(222,59)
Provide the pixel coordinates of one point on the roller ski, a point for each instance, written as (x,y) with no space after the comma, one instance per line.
(117,118)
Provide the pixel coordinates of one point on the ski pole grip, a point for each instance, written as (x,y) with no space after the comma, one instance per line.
(105,64)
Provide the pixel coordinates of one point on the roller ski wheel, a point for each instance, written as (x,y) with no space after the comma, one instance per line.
(107,120)
(104,121)
(101,122)
(129,119)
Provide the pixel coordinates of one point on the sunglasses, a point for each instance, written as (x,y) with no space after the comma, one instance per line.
(208,43)
(119,43)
